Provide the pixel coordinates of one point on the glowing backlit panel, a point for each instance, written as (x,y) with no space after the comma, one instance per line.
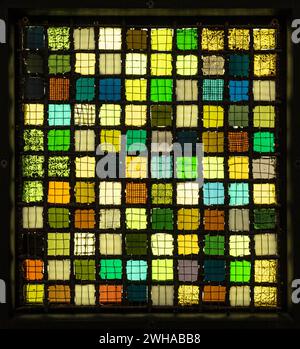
(107,220)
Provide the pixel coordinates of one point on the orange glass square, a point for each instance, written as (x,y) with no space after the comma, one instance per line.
(33,269)
(85,219)
(59,192)
(59,294)
(238,141)
(110,294)
(214,294)
(214,220)
(136,193)
(59,89)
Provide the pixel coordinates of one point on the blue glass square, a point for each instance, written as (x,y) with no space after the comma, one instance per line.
(137,293)
(213,89)
(239,194)
(239,65)
(136,270)
(213,193)
(35,37)
(214,270)
(110,90)
(59,114)
(238,90)
(161,166)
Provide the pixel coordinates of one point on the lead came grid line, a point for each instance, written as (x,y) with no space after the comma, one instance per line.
(160,241)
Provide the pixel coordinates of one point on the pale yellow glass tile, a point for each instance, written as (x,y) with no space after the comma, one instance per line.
(213,167)
(110,193)
(186,116)
(136,218)
(136,64)
(238,39)
(85,63)
(84,244)
(212,39)
(162,244)
(85,167)
(33,114)
(84,114)
(213,65)
(264,90)
(264,194)
(187,65)
(264,39)
(110,63)
(161,39)
(84,39)
(161,64)
(136,167)
(239,245)
(135,115)
(84,140)
(110,244)
(136,89)
(85,295)
(110,114)
(110,39)
(59,269)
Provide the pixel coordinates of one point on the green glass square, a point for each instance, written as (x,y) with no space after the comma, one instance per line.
(136,140)
(85,89)
(58,244)
(111,269)
(214,245)
(58,166)
(264,142)
(240,271)
(33,165)
(264,218)
(84,269)
(59,64)
(58,217)
(187,167)
(59,140)
(59,38)
(161,115)
(238,115)
(161,90)
(32,191)
(136,244)
(162,218)
(162,194)
(33,140)
(187,39)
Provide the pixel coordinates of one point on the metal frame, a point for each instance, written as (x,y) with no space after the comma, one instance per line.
(12,10)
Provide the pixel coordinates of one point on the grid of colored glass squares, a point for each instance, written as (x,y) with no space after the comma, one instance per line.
(153,237)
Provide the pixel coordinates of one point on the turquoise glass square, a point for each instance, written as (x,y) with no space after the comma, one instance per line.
(136,270)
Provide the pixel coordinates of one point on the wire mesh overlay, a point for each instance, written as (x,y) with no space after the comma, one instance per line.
(151,238)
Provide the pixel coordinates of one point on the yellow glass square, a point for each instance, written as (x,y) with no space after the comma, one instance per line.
(136,89)
(265,296)
(265,270)
(85,166)
(85,192)
(264,116)
(265,64)
(136,218)
(188,219)
(162,269)
(213,167)
(188,244)
(58,244)
(33,114)
(110,140)
(161,39)
(238,167)
(161,64)
(264,39)
(212,39)
(85,63)
(213,116)
(264,194)
(238,39)
(135,115)
(188,295)
(34,293)
(136,167)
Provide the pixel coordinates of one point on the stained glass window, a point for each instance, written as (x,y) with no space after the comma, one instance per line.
(110,213)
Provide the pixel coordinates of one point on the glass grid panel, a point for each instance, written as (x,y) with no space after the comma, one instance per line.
(153,238)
